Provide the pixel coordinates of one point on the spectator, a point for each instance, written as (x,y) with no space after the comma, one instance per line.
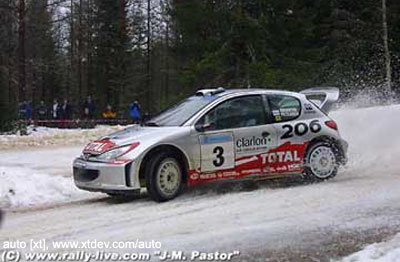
(88,108)
(28,110)
(134,112)
(21,110)
(109,113)
(65,114)
(66,110)
(56,110)
(41,111)
(24,110)
(1,217)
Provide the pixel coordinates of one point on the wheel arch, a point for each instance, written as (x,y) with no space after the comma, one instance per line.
(333,141)
(175,151)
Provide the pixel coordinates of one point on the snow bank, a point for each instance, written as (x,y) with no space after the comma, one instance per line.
(379,252)
(38,177)
(20,187)
(43,136)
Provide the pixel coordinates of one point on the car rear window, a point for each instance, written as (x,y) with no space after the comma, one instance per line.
(284,107)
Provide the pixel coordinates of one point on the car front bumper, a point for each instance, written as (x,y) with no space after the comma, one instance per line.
(105,177)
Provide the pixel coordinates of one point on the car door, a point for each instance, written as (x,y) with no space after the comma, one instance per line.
(236,134)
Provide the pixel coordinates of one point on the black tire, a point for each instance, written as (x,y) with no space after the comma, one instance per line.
(332,161)
(156,182)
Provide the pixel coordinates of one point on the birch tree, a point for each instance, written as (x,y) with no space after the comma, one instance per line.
(388,70)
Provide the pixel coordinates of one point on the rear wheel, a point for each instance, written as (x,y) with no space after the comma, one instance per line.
(163,177)
(321,161)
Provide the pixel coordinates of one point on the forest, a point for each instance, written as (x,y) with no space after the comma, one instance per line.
(160,51)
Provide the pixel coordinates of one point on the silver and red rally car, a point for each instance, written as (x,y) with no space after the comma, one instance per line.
(218,134)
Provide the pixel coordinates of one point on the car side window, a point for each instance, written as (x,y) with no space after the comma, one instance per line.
(284,107)
(238,112)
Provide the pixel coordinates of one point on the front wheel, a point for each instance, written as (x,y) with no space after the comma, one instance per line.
(163,177)
(321,161)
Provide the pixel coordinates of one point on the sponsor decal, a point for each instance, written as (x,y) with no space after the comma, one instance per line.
(309,109)
(194,176)
(98,147)
(276,113)
(253,143)
(283,159)
(214,175)
(282,156)
(217,151)
(289,112)
(213,139)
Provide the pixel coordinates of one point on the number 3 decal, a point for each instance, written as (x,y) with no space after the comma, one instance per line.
(301,129)
(219,151)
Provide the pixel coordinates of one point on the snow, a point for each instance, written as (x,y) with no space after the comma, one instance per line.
(274,218)
(31,176)
(372,134)
(22,188)
(45,136)
(379,252)
(43,176)
(38,177)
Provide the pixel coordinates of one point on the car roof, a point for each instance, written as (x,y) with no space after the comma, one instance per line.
(220,92)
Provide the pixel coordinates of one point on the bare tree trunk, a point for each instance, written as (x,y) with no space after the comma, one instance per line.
(9,61)
(10,75)
(21,50)
(148,76)
(167,60)
(80,32)
(123,37)
(166,14)
(72,40)
(387,52)
(89,49)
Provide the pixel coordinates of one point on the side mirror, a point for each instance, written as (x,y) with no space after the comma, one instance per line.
(203,127)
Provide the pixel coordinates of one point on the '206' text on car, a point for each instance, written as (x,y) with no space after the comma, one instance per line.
(218,134)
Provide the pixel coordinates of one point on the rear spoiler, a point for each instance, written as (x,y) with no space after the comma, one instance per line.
(323,97)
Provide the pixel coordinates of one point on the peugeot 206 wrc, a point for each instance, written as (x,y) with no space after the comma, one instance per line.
(214,135)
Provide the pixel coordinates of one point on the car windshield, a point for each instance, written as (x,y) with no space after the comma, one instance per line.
(179,113)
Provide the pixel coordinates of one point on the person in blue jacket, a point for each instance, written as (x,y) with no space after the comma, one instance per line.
(25,110)
(28,112)
(134,112)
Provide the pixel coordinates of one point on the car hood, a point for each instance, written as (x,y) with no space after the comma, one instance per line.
(141,134)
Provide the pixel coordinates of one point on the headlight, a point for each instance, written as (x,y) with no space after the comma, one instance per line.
(117,152)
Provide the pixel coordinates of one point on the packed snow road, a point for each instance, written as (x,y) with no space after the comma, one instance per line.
(275,222)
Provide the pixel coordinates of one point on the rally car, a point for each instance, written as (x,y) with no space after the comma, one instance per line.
(215,135)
